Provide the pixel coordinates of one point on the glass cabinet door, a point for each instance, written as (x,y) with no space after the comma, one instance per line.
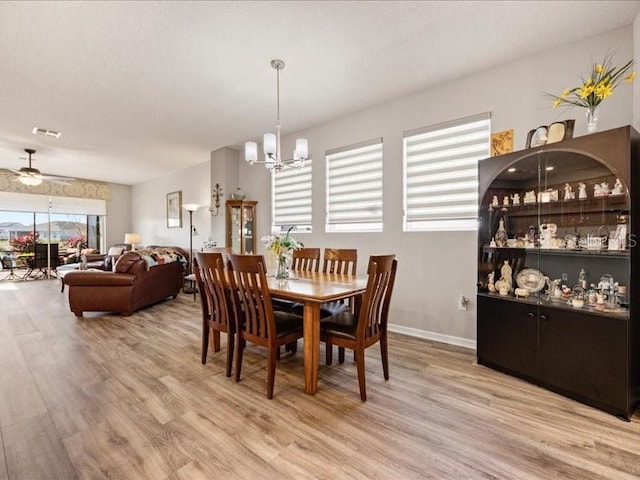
(561,219)
(241,226)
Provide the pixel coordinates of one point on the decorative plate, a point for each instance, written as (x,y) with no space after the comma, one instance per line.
(531,280)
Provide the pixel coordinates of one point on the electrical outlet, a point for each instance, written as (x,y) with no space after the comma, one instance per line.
(462,303)
(565,277)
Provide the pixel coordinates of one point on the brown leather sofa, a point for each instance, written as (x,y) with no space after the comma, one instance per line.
(129,288)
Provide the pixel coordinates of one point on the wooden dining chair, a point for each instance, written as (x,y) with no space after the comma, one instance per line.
(262,325)
(306,260)
(217,314)
(340,260)
(359,331)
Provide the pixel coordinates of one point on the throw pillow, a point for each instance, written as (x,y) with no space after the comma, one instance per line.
(115,251)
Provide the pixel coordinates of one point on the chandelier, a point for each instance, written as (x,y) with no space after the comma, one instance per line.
(271,142)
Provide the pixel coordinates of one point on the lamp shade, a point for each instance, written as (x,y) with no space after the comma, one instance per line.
(269,144)
(131,238)
(251,152)
(302,148)
(191,207)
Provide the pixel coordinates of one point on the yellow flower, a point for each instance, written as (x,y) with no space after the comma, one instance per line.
(586,90)
(603,78)
(603,89)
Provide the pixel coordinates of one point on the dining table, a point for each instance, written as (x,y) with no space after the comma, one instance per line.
(312,289)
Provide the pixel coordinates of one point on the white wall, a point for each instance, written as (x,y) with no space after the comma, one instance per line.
(149,207)
(118,221)
(434,268)
(224,171)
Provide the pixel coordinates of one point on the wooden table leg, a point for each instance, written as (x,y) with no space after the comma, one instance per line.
(311,346)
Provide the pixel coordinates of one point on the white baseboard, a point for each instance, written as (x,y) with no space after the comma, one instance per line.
(438,337)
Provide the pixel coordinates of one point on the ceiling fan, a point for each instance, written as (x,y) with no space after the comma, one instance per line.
(32,176)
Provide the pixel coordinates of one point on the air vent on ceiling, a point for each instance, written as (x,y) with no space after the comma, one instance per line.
(45,132)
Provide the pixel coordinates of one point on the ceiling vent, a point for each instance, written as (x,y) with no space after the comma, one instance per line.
(45,132)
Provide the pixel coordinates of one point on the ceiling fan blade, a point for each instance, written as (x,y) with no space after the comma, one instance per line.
(60,180)
(45,176)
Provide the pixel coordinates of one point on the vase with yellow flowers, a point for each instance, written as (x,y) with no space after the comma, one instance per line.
(602,80)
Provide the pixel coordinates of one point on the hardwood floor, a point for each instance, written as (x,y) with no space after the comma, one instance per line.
(112,397)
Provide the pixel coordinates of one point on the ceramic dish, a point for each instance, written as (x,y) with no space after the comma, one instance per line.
(531,280)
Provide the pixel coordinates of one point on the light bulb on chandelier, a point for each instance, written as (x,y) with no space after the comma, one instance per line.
(271,142)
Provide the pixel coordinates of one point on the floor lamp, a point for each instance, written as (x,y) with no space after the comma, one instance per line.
(190,207)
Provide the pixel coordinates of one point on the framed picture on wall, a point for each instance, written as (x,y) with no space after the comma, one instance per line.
(174,209)
(501,142)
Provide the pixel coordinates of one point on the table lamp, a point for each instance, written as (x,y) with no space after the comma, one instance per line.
(131,239)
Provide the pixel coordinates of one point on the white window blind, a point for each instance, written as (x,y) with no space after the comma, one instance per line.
(441,174)
(354,187)
(291,198)
(30,202)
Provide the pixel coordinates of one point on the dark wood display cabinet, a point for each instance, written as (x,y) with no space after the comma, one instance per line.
(561,217)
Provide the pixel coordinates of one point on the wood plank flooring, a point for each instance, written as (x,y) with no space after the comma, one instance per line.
(108,397)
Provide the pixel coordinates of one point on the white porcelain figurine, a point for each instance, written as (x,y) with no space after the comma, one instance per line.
(505,201)
(582,191)
(597,190)
(491,286)
(530,197)
(569,194)
(618,189)
(516,199)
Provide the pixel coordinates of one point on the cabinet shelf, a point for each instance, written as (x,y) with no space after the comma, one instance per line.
(611,204)
(621,314)
(563,252)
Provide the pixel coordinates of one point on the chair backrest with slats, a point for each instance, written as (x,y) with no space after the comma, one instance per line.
(249,282)
(306,260)
(340,260)
(214,293)
(374,310)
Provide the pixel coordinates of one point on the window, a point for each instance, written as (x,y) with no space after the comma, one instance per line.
(441,174)
(291,198)
(51,219)
(354,188)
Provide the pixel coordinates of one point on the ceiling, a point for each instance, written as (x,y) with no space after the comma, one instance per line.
(142,89)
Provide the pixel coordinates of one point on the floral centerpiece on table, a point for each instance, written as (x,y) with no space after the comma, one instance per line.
(281,247)
(602,80)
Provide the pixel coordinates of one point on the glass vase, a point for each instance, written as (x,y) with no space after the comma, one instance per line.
(592,118)
(282,270)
